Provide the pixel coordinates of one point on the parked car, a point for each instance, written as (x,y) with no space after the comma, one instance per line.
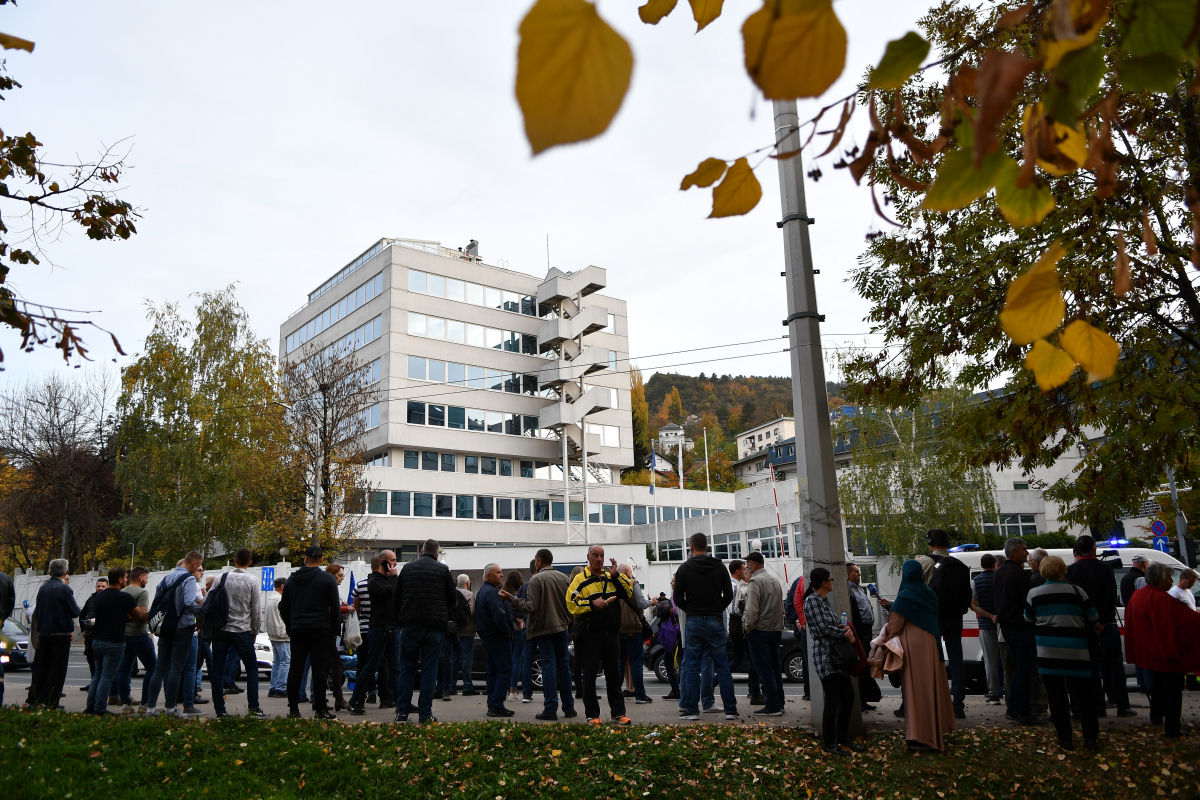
(262,653)
(739,659)
(14,645)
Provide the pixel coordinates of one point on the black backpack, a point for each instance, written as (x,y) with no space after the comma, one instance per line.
(952,583)
(789,605)
(216,608)
(162,616)
(462,610)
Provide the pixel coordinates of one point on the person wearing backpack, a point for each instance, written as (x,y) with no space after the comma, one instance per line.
(232,612)
(950,580)
(172,618)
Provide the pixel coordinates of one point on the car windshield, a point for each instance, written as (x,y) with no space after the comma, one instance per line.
(14,628)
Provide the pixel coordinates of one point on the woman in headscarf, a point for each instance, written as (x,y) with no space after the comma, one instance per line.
(928,712)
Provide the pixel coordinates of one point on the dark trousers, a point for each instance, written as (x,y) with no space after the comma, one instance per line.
(839,701)
(381,647)
(951,630)
(466,645)
(241,644)
(669,664)
(418,645)
(1024,651)
(633,649)
(137,648)
(1166,701)
(601,649)
(764,655)
(803,637)
(497,651)
(1108,672)
(451,656)
(556,670)
(50,668)
(1067,691)
(309,645)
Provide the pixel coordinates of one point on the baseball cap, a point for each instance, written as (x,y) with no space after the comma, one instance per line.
(1139,557)
(313,551)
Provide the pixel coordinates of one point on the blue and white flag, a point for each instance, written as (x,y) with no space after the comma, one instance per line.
(653,469)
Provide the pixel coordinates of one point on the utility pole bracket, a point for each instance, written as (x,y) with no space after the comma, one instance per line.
(804,315)
(801,217)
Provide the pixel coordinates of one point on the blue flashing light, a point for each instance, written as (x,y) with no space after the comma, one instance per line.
(964,548)
(1117,543)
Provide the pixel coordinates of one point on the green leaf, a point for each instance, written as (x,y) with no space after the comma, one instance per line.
(1159,26)
(958,183)
(1073,82)
(1157,72)
(1021,207)
(900,60)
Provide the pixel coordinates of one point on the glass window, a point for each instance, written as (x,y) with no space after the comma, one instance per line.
(457,418)
(455,290)
(471,465)
(487,465)
(437,286)
(416,324)
(639,515)
(512,382)
(477,377)
(542,469)
(416,281)
(416,368)
(512,302)
(448,460)
(610,435)
(476,419)
(529,426)
(503,508)
(422,504)
(668,514)
(378,284)
(443,505)
(624,515)
(529,385)
(512,341)
(526,469)
(495,380)
(437,415)
(495,338)
(512,424)
(456,374)
(608,514)
(506,467)
(556,511)
(377,502)
(524,510)
(416,413)
(456,331)
(493,298)
(429,461)
(484,508)
(464,506)
(576,510)
(436,328)
(612,359)
(593,512)
(401,504)
(378,323)
(437,370)
(474,294)
(529,344)
(671,551)
(495,422)
(529,305)
(541,510)
(410,459)
(476,336)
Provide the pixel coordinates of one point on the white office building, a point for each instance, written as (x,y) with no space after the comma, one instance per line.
(488,379)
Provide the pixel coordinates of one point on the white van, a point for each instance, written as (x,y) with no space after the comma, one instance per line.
(889,585)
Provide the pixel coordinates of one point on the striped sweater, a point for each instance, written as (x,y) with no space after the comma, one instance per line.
(1062,614)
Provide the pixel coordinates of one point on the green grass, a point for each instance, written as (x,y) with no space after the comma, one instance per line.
(55,755)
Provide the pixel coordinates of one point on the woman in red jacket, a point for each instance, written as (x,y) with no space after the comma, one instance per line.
(1162,635)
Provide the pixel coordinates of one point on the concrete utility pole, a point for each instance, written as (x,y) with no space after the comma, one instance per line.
(816,479)
(1180,519)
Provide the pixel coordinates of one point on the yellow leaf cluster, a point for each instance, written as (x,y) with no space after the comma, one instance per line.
(1034,305)
(1054,49)
(794,48)
(739,192)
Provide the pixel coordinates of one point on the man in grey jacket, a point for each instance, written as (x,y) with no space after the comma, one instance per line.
(281,647)
(241,629)
(763,622)
(548,623)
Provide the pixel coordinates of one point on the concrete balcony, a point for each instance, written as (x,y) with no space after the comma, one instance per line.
(556,373)
(556,331)
(560,286)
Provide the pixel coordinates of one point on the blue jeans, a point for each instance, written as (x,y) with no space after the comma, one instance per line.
(706,680)
(1021,642)
(498,652)
(764,655)
(556,670)
(281,659)
(139,648)
(107,656)
(706,636)
(231,662)
(518,654)
(168,669)
(423,645)
(380,647)
(633,648)
(449,660)
(241,645)
(527,656)
(189,683)
(467,646)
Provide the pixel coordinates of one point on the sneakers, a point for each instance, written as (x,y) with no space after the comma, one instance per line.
(199,701)
(689,717)
(372,699)
(142,709)
(671,696)
(232,689)
(325,714)
(428,720)
(836,750)
(357,711)
(733,716)
(622,720)
(757,699)
(569,713)
(628,693)
(766,712)
(256,713)
(854,746)
(500,712)
(547,716)
(276,693)
(960,713)
(127,709)
(595,721)
(193,712)
(446,697)
(295,712)
(469,693)
(993,701)
(1126,712)
(641,701)
(712,709)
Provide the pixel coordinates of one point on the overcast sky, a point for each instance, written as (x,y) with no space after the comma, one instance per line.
(273,142)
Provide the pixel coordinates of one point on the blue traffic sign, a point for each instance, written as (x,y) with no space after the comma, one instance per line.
(1158,528)
(1161,544)
(268,579)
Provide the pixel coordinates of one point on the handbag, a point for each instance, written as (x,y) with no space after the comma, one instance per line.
(842,656)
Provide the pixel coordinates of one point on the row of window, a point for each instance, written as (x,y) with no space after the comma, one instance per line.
(472,419)
(474,335)
(346,271)
(381,460)
(364,334)
(434,461)
(428,369)
(728,546)
(473,293)
(371,417)
(338,311)
(430,504)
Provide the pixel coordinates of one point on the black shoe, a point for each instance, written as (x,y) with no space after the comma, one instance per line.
(232,690)
(295,712)
(500,712)
(357,711)
(1092,745)
(276,693)
(454,691)
(1066,744)
(199,701)
(671,696)
(387,705)
(222,714)
(868,707)
(899,712)
(372,699)
(627,693)
(469,693)
(855,746)
(325,715)
(256,713)
(571,713)
(836,750)
(1031,721)
(446,696)
(960,713)
(1126,712)
(437,695)
(427,720)
(548,716)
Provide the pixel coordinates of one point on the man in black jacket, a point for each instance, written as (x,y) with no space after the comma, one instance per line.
(382,646)
(424,596)
(1096,578)
(311,612)
(1011,584)
(8,601)
(56,611)
(1129,581)
(494,624)
(703,590)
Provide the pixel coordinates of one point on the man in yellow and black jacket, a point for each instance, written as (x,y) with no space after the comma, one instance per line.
(594,598)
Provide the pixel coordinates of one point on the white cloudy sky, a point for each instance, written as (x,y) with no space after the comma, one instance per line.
(272,142)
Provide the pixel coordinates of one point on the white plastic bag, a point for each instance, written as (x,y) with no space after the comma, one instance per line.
(353,632)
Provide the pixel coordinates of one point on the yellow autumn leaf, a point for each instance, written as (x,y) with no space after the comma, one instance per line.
(573,71)
(555,753)
(737,193)
(1034,305)
(1094,349)
(708,173)
(1021,207)
(794,48)
(1053,49)
(10,42)
(655,10)
(1051,367)
(1070,142)
(705,11)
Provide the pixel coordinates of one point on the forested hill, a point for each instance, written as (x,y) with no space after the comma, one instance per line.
(750,400)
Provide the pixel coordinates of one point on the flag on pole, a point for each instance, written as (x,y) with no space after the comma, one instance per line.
(653,468)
